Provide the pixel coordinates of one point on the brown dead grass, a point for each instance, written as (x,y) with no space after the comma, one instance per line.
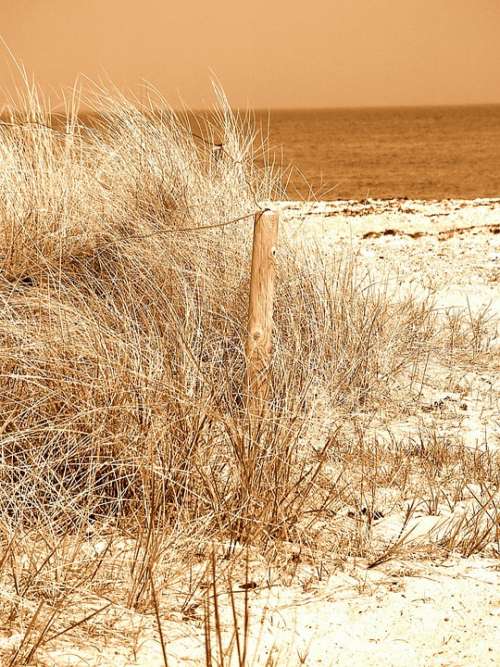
(126,450)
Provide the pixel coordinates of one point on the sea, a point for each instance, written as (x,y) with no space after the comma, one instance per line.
(415,152)
(429,153)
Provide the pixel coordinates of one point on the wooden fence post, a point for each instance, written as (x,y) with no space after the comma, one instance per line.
(258,346)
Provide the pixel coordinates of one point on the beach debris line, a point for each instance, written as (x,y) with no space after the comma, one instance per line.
(492,228)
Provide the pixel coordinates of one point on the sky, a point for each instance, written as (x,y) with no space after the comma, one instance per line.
(265,53)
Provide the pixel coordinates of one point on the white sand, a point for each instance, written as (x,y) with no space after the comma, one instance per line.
(456,258)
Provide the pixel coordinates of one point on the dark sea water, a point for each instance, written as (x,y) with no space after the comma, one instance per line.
(421,152)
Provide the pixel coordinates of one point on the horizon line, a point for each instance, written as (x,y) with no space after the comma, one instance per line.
(322,108)
(349,107)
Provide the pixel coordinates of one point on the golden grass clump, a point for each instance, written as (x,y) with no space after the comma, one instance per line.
(124,299)
(124,261)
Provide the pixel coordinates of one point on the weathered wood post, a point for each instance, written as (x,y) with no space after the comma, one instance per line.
(258,347)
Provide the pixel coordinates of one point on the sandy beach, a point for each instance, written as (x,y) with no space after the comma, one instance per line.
(422,605)
(449,249)
(416,610)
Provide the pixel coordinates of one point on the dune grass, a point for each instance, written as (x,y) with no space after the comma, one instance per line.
(126,449)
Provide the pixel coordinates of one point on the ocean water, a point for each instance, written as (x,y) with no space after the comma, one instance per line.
(415,152)
(419,153)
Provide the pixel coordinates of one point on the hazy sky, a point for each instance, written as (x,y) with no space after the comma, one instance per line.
(266,53)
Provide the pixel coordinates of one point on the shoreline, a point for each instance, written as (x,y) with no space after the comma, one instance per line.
(448,251)
(411,215)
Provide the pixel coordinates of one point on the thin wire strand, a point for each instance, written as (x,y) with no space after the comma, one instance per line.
(140,237)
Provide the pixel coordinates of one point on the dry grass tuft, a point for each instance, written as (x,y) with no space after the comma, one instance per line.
(126,450)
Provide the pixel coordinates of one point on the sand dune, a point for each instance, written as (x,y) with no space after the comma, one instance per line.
(415,608)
